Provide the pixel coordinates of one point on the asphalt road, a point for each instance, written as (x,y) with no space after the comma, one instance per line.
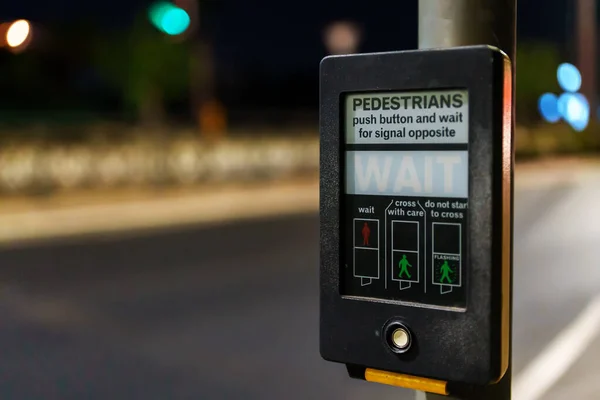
(231,312)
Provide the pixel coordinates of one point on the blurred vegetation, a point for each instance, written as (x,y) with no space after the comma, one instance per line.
(556,140)
(148,68)
(536,74)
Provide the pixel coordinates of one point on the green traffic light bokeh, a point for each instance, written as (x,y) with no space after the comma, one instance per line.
(169,18)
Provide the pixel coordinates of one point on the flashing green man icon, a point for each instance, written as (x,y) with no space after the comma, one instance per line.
(404,264)
(445,270)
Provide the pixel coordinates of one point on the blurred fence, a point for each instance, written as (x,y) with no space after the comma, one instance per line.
(42,167)
(118,158)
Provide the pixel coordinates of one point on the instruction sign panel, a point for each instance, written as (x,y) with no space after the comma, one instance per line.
(406,187)
(419,117)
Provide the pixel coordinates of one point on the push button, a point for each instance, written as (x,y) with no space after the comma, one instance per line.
(397,337)
(401,338)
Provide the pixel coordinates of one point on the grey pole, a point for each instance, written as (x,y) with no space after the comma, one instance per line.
(450,23)
(586,32)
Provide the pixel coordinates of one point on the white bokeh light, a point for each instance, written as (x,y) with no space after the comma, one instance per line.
(575,110)
(17,33)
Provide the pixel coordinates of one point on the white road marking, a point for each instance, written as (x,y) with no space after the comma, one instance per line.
(556,359)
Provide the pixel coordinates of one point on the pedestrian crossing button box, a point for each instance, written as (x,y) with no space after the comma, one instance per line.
(415,210)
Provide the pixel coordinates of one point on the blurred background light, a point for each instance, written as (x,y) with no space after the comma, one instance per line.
(569,77)
(169,18)
(175,21)
(342,37)
(156,12)
(548,106)
(18,33)
(577,112)
(561,104)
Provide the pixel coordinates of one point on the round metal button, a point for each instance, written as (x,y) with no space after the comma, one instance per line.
(401,338)
(397,337)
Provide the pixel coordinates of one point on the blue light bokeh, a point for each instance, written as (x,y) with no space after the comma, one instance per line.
(569,77)
(175,21)
(571,106)
(577,113)
(561,104)
(548,107)
(169,18)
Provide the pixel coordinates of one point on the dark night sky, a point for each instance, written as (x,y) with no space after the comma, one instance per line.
(281,35)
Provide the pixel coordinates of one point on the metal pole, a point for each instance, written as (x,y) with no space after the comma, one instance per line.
(586,47)
(450,23)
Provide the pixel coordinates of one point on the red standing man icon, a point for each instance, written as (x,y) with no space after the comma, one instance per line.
(366,232)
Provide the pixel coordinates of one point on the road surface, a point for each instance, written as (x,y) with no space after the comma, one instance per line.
(231,311)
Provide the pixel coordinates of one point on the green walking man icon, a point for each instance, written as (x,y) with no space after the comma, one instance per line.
(404,267)
(445,270)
